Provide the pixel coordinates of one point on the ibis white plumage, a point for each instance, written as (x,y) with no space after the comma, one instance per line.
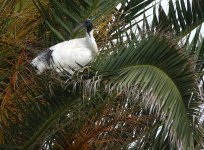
(68,55)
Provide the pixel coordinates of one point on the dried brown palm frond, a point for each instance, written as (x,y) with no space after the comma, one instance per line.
(19,22)
(110,127)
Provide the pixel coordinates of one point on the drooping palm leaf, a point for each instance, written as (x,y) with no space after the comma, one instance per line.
(166,72)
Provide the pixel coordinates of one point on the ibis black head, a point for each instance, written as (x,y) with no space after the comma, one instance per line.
(88,24)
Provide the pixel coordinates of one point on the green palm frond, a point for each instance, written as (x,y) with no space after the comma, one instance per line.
(182,17)
(163,70)
(61,21)
(63,16)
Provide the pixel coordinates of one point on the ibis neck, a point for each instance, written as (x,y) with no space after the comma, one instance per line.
(92,42)
(90,34)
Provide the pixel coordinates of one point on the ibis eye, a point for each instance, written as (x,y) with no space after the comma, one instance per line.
(87,22)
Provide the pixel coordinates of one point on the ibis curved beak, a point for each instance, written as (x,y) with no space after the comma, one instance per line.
(82,25)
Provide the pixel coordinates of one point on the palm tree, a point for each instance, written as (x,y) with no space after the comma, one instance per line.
(143,90)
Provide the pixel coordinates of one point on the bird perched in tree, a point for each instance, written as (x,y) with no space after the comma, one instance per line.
(68,55)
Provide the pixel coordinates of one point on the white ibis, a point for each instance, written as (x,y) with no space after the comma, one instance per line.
(68,55)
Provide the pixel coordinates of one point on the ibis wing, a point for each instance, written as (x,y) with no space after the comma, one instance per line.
(71,58)
(71,44)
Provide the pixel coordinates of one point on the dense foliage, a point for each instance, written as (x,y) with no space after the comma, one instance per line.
(144,90)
